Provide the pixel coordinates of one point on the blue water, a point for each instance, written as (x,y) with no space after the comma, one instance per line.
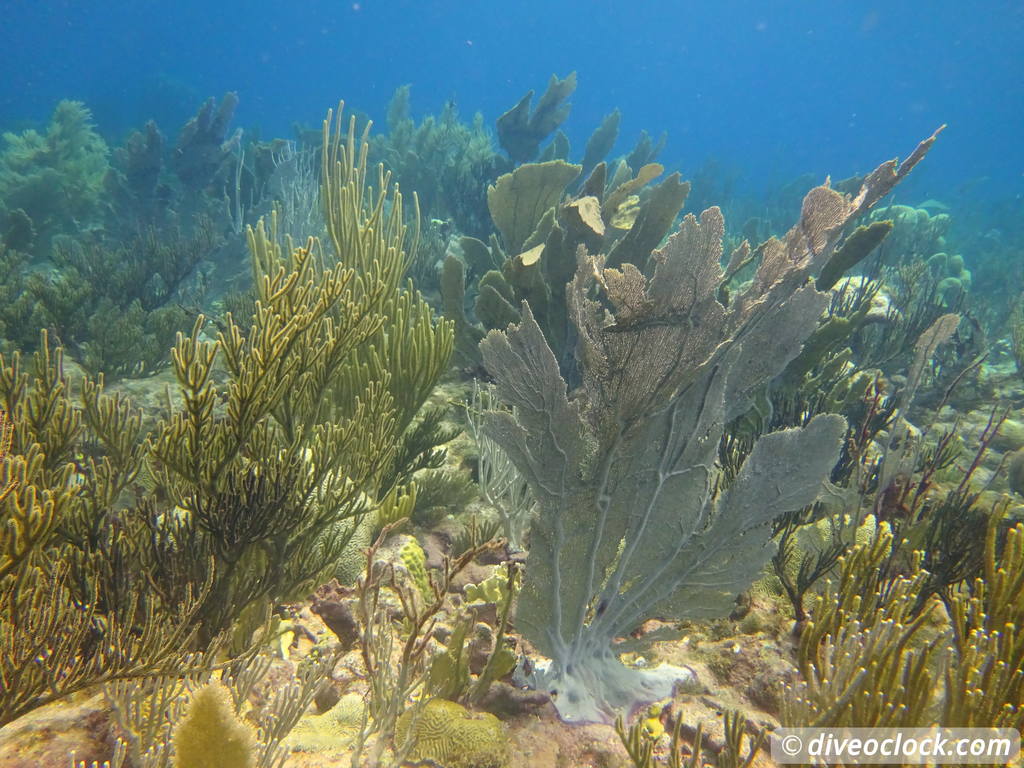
(770,88)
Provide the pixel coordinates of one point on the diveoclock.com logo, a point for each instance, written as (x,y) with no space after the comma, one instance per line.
(961,746)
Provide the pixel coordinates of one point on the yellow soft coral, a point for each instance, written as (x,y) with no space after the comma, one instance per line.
(211,735)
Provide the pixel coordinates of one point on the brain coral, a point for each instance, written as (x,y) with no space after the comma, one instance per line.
(449,735)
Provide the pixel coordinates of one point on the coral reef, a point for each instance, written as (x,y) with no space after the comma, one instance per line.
(257,473)
(710,481)
(199,151)
(56,584)
(641,739)
(522,128)
(447,162)
(412,664)
(917,234)
(118,308)
(954,278)
(541,232)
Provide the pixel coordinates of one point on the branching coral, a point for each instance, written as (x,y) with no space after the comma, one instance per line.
(409,351)
(868,658)
(449,163)
(863,658)
(205,717)
(63,625)
(55,178)
(401,662)
(246,494)
(119,307)
(640,744)
(986,686)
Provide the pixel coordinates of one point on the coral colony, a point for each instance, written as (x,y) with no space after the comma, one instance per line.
(443,445)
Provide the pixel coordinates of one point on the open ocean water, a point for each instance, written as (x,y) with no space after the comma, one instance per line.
(771,88)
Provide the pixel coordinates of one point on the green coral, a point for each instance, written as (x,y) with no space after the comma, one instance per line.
(985,687)
(542,231)
(118,309)
(453,301)
(449,163)
(641,739)
(56,177)
(493,589)
(452,736)
(632,441)
(409,351)
(855,248)
(1016,334)
(415,562)
(863,660)
(954,279)
(518,201)
(57,582)
(448,677)
(280,434)
(916,233)
(335,728)
(440,491)
(545,211)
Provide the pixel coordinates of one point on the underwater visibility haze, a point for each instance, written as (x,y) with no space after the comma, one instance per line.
(441,383)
